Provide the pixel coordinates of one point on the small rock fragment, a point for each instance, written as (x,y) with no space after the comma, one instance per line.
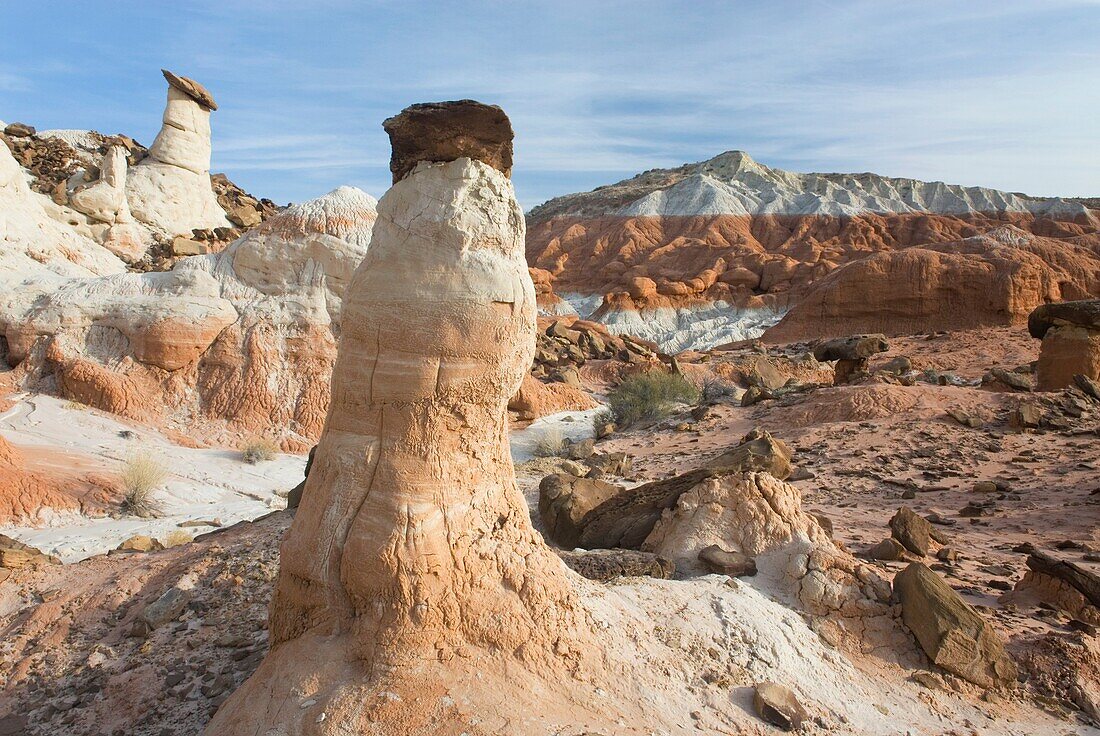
(779,706)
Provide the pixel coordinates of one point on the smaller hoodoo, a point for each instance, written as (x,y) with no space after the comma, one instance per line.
(170,189)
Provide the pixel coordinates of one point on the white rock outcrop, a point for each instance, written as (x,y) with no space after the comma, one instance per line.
(169,189)
(251,348)
(35,244)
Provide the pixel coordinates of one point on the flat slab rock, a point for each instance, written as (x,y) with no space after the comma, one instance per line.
(1083,313)
(607,564)
(779,706)
(192,89)
(950,631)
(446,131)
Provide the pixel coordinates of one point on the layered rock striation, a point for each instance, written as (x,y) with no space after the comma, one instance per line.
(244,339)
(412,559)
(719,250)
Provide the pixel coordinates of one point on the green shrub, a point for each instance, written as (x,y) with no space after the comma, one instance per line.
(649,397)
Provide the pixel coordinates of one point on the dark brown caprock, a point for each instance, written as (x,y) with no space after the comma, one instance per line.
(192,89)
(445,131)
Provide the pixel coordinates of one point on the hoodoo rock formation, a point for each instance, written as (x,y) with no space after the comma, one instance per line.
(1070,332)
(230,338)
(719,250)
(170,189)
(412,564)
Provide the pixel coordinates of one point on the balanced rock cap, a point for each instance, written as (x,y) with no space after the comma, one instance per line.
(192,89)
(1084,313)
(856,347)
(445,131)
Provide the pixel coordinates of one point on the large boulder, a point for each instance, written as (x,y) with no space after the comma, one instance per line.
(566,502)
(951,632)
(1070,332)
(912,531)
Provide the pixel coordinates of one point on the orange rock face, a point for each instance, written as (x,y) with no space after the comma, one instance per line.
(26,491)
(537,399)
(993,279)
(735,258)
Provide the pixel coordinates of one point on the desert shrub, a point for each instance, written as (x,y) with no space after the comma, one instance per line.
(715,388)
(141,476)
(601,419)
(258,450)
(649,397)
(551,443)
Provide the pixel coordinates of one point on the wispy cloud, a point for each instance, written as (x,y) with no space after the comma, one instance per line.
(992,93)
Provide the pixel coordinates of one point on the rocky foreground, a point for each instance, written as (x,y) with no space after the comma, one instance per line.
(828,529)
(152,643)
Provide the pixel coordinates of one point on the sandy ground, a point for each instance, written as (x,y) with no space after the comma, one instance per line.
(205,484)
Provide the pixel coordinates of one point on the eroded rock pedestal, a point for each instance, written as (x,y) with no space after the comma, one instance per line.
(412,577)
(170,189)
(1070,332)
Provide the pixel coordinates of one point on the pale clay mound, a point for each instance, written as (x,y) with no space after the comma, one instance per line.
(732,183)
(244,338)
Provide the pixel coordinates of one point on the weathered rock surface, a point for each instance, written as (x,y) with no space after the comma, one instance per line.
(607,564)
(1070,332)
(170,190)
(247,335)
(760,517)
(437,132)
(951,632)
(412,552)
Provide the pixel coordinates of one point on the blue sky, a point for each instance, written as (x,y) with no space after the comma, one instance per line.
(1003,94)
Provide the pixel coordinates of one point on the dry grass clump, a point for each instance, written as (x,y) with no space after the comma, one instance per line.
(551,443)
(649,397)
(259,450)
(141,476)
